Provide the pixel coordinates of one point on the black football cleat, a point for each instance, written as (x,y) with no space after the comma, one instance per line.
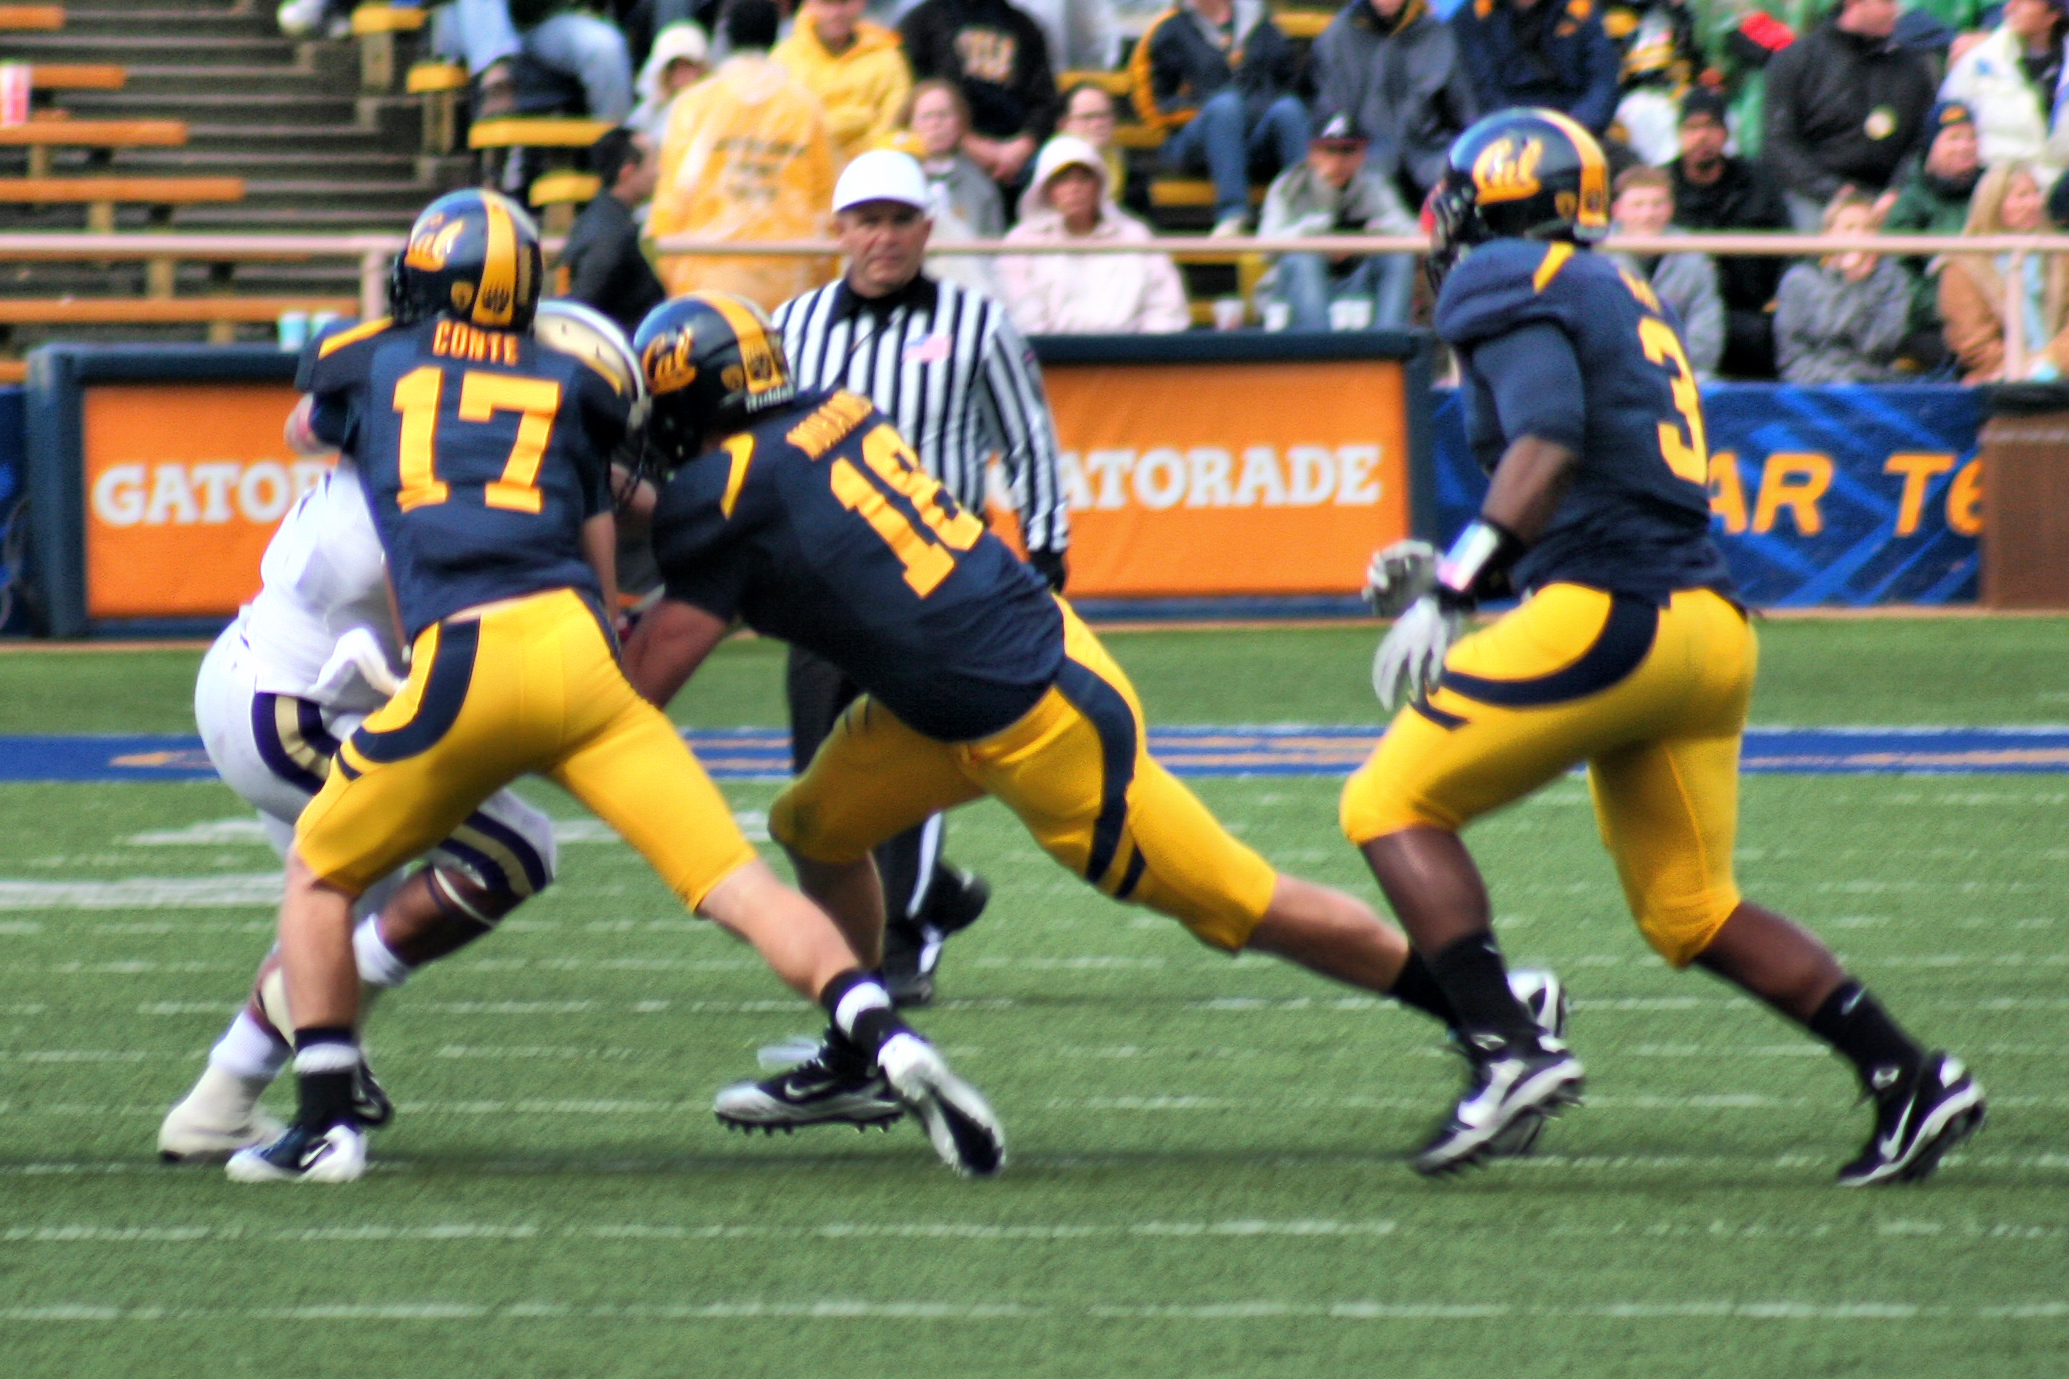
(369,1100)
(1510,1082)
(965,1131)
(837,1086)
(1543,996)
(1917,1119)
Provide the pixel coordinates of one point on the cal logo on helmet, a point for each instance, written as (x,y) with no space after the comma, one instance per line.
(430,248)
(1506,172)
(668,361)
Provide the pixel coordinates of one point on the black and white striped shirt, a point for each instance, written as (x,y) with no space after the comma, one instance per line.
(947,367)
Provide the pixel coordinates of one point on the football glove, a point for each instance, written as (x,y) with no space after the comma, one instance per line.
(357,651)
(1398,576)
(1411,655)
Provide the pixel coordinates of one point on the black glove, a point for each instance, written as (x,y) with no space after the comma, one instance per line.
(1050,566)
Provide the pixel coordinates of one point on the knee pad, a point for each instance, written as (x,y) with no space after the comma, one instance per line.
(1679,930)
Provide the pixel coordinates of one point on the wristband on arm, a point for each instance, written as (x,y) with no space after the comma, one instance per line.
(1471,569)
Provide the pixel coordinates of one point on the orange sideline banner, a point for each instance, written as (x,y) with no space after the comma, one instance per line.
(1228,479)
(184,485)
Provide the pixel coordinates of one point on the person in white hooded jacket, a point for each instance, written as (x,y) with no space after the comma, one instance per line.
(1085,294)
(2014,81)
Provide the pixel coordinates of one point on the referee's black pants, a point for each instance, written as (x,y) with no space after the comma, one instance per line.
(907,864)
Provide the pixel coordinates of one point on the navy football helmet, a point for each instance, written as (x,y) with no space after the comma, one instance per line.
(712,360)
(1518,174)
(472,255)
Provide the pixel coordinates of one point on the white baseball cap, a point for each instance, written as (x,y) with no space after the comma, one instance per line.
(882,174)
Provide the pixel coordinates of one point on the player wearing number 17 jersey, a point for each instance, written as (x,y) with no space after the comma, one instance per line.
(1627,653)
(485,459)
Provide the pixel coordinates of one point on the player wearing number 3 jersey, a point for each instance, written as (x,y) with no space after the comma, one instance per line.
(1627,653)
(485,458)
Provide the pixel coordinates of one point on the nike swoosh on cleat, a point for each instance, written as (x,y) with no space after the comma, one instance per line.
(1888,1144)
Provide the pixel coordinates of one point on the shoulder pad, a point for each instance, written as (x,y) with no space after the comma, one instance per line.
(1498,287)
(337,358)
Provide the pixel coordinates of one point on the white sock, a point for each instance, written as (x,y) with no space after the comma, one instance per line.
(247,1051)
(379,968)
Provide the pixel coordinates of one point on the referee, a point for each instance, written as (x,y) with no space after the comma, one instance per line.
(950,371)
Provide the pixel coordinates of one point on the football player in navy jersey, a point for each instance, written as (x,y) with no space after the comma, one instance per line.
(808,517)
(1628,653)
(485,461)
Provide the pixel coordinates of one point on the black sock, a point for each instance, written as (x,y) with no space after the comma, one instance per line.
(1417,988)
(861,1010)
(1471,974)
(1855,1024)
(326,1061)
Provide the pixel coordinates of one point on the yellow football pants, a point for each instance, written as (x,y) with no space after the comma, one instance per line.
(1076,769)
(532,685)
(1652,699)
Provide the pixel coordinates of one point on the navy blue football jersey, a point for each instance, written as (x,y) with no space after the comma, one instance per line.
(1636,516)
(817,525)
(483,453)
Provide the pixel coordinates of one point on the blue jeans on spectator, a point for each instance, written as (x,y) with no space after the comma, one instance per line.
(1217,139)
(1307,287)
(479,32)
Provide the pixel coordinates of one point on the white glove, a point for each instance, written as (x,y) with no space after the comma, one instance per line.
(1411,655)
(356,650)
(1398,576)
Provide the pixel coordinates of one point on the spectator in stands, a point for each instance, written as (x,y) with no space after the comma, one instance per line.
(856,68)
(1658,56)
(1081,33)
(1088,114)
(745,157)
(1713,191)
(1000,59)
(1395,69)
(495,38)
(2008,200)
(2012,80)
(1221,74)
(1085,294)
(939,119)
(602,260)
(1644,205)
(1845,106)
(315,18)
(1336,191)
(1539,52)
(675,62)
(1841,319)
(1935,201)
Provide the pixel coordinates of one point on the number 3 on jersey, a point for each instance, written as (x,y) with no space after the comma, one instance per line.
(482,395)
(1683,447)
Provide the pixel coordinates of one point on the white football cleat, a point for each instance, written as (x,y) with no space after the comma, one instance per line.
(966,1133)
(337,1155)
(216,1119)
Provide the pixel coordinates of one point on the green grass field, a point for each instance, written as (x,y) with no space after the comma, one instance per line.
(1208,1172)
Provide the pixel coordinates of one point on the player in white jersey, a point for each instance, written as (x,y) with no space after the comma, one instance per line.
(310,656)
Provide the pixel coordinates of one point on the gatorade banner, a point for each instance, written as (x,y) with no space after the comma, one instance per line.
(1217,479)
(184,486)
(1837,495)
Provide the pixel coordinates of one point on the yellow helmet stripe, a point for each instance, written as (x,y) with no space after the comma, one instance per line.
(1594,168)
(495,299)
(756,354)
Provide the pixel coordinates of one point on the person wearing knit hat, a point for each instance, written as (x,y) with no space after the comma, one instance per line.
(1715,190)
(1934,200)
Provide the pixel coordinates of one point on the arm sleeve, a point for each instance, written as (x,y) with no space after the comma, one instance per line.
(330,420)
(1597,105)
(1015,416)
(1782,141)
(1535,380)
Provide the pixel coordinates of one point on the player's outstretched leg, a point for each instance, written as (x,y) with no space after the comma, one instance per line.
(1925,1102)
(1520,1071)
(433,913)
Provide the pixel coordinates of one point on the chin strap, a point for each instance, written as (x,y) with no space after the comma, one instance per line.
(1476,563)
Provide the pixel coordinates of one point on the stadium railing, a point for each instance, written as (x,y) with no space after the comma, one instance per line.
(373,252)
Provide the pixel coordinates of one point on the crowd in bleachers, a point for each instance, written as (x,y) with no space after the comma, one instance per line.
(1863,115)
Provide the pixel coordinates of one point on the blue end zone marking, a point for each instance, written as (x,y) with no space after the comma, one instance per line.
(764,753)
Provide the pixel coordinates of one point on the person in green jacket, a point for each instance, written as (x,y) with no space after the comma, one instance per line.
(1934,201)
